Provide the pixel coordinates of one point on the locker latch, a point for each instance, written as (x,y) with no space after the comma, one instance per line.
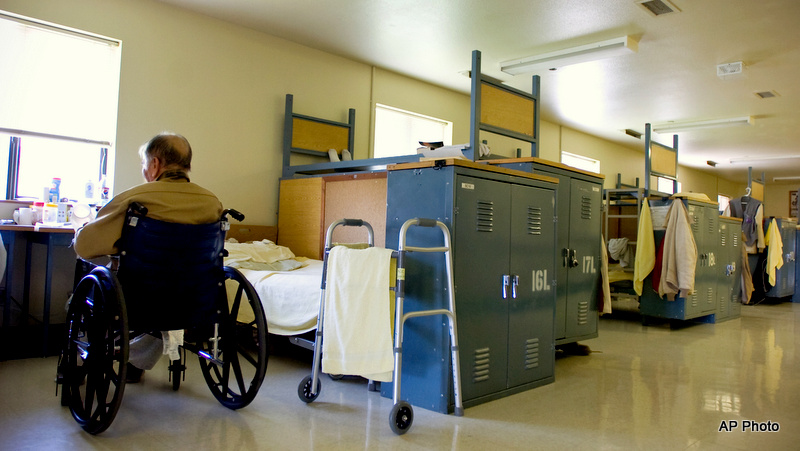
(570,258)
(510,280)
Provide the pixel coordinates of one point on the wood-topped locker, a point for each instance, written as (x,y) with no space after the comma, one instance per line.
(702,303)
(579,211)
(503,234)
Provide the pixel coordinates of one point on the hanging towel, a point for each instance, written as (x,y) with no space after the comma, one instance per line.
(605,285)
(774,244)
(357,331)
(747,279)
(645,257)
(680,254)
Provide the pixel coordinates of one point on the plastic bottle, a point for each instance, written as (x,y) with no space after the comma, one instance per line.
(55,190)
(38,212)
(89,190)
(50,213)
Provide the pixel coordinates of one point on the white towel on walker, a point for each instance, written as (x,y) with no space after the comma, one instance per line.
(357,338)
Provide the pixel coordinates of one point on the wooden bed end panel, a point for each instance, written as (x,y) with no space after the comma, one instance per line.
(506,110)
(319,136)
(300,216)
(245,232)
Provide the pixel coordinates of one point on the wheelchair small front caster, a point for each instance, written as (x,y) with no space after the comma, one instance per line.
(401,417)
(176,372)
(304,390)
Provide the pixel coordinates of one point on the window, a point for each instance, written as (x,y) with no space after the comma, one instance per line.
(580,162)
(398,132)
(665,185)
(58,114)
(723,201)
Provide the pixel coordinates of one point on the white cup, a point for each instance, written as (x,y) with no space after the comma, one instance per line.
(23,216)
(80,214)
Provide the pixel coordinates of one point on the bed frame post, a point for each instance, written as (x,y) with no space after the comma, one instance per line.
(351,119)
(288,123)
(475,106)
(536,91)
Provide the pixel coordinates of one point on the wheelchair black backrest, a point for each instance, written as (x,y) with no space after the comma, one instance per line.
(171,274)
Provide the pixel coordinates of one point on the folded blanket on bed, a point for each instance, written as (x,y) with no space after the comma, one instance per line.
(260,255)
(356,325)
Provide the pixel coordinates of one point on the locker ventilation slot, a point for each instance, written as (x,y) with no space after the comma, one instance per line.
(723,239)
(484,216)
(531,353)
(710,225)
(586,207)
(534,221)
(480,365)
(735,240)
(695,225)
(583,313)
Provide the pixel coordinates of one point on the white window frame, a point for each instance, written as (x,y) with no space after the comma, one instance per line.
(63,92)
(580,162)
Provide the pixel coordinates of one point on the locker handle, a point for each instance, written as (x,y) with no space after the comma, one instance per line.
(573,258)
(506,283)
(514,286)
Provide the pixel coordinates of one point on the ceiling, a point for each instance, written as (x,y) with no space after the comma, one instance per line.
(672,77)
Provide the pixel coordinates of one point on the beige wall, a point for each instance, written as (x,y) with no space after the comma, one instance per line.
(223,86)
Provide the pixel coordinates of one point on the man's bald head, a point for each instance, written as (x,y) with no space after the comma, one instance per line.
(173,151)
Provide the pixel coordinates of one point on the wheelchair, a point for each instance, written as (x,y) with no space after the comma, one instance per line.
(168,277)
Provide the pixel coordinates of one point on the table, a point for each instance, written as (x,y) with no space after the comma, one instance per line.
(49,236)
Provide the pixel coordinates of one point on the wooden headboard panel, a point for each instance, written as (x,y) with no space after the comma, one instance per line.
(243,233)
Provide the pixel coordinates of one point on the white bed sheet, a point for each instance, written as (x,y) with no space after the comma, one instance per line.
(290,298)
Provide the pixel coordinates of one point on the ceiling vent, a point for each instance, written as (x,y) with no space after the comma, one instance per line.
(658,7)
(633,133)
(728,69)
(766,94)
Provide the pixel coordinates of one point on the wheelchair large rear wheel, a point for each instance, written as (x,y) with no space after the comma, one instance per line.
(95,357)
(235,376)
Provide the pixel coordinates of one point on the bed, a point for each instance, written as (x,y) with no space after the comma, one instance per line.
(289,292)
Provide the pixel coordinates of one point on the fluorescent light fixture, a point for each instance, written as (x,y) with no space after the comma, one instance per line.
(575,55)
(793,177)
(672,127)
(765,158)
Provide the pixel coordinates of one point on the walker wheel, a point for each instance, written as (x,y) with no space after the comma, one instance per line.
(401,417)
(304,390)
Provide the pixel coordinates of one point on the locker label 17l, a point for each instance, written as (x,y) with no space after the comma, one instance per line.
(588,264)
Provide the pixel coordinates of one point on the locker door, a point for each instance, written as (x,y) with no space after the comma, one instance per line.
(584,264)
(712,251)
(735,306)
(481,246)
(531,310)
(696,301)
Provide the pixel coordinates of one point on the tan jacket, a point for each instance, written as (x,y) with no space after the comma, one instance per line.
(172,199)
(680,254)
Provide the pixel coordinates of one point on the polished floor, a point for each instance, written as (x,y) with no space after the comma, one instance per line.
(648,388)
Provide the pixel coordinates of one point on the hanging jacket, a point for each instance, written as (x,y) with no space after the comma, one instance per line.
(747,209)
(680,254)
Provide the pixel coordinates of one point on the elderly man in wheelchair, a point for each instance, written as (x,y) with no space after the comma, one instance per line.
(167,282)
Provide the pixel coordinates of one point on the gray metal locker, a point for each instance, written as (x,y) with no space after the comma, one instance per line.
(579,211)
(729,269)
(502,227)
(785,275)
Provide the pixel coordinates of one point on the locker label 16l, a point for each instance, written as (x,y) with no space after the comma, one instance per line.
(540,280)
